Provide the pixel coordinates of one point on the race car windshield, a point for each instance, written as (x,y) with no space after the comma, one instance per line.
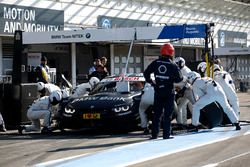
(104,87)
(111,87)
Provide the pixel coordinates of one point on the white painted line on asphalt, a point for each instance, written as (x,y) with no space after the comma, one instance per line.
(211,165)
(247,133)
(237,156)
(58,161)
(151,149)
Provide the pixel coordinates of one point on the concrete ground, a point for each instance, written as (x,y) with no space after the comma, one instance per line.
(30,149)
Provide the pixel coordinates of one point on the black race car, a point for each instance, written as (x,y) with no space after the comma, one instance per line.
(114,102)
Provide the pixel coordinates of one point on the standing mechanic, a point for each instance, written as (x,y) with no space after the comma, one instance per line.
(166,73)
(43,71)
(182,101)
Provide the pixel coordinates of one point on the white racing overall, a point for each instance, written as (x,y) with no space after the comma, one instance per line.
(212,92)
(40,109)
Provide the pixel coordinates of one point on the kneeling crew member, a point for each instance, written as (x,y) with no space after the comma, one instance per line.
(41,109)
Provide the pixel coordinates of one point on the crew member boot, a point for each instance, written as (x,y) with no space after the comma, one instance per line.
(237,125)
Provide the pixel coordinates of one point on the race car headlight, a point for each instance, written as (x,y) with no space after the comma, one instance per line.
(121,109)
(69,110)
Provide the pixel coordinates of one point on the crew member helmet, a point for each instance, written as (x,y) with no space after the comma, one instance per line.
(40,86)
(201,68)
(93,81)
(167,50)
(180,62)
(191,76)
(55,97)
(216,67)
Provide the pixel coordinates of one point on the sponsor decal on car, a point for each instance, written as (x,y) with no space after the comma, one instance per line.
(135,78)
(89,98)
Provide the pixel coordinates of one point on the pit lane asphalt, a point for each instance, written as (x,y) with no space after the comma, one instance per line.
(29,149)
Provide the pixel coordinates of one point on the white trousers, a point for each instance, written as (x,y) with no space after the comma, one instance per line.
(230,94)
(35,116)
(147,100)
(182,110)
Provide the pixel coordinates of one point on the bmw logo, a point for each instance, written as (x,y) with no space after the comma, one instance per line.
(88,35)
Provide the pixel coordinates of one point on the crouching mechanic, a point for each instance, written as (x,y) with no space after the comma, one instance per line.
(209,91)
(166,73)
(84,88)
(41,109)
(227,84)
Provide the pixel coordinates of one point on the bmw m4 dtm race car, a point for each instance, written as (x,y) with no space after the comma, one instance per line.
(113,102)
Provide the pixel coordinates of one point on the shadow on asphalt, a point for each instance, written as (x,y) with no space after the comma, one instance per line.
(73,134)
(97,146)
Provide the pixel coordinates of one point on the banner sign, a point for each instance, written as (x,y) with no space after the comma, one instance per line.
(232,39)
(116,22)
(172,32)
(29,19)
(87,35)
(117,34)
(183,31)
(232,51)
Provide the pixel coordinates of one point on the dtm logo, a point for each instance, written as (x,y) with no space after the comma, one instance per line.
(106,23)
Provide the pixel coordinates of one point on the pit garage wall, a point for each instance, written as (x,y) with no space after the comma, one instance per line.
(85,56)
(119,59)
(237,62)
(58,56)
(239,68)
(191,55)
(143,55)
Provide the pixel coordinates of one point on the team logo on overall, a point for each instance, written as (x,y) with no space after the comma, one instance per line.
(162,69)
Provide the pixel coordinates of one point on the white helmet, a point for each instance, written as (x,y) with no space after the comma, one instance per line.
(202,67)
(55,97)
(40,86)
(216,68)
(180,62)
(191,76)
(93,81)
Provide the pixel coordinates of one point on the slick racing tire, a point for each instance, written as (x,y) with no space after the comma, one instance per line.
(211,115)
